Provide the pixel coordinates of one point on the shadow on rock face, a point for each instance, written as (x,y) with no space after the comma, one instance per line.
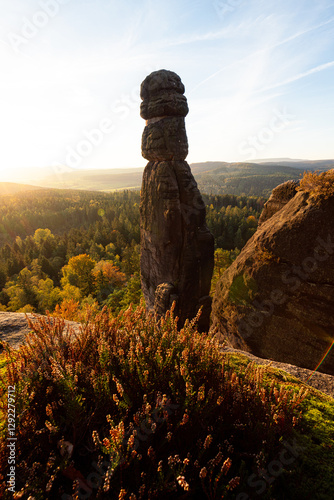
(177,248)
(277,298)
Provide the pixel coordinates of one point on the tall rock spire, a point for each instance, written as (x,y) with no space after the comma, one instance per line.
(177,248)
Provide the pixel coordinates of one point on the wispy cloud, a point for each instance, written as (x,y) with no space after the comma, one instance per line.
(195,38)
(267,49)
(299,76)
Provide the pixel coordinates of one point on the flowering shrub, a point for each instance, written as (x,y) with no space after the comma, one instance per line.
(319,185)
(157,411)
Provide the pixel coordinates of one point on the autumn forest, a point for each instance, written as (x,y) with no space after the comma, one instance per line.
(62,250)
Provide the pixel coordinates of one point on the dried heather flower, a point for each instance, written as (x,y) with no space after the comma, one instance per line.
(185,419)
(208,441)
(186,461)
(148,409)
(49,485)
(203,473)
(189,388)
(96,438)
(122,494)
(120,389)
(48,410)
(183,483)
(233,483)
(218,458)
(220,400)
(131,441)
(142,490)
(50,427)
(201,393)
(226,466)
(106,443)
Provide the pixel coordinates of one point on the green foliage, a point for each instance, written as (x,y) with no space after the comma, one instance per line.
(78,273)
(317,436)
(41,236)
(244,179)
(223,259)
(232,219)
(90,246)
(242,289)
(47,295)
(162,408)
(21,291)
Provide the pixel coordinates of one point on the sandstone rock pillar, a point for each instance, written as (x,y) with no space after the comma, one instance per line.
(177,248)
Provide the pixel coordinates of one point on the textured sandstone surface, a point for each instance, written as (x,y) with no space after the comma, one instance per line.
(280,196)
(177,249)
(277,299)
(14,327)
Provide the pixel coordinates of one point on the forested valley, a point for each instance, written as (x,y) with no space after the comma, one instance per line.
(63,250)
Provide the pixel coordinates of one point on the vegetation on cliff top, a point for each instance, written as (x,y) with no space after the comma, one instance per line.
(319,185)
(133,408)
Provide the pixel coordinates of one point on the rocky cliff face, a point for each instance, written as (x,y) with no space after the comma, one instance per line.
(280,196)
(277,299)
(177,249)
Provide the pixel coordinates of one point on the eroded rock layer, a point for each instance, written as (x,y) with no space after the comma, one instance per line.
(277,299)
(177,249)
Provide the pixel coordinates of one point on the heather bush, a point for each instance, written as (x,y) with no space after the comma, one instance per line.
(319,185)
(134,408)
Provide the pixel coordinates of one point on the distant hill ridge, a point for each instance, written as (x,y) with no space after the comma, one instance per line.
(249,178)
(13,187)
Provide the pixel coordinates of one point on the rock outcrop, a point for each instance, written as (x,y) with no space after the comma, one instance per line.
(14,327)
(177,249)
(280,196)
(277,299)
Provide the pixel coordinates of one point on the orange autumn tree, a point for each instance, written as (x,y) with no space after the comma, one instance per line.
(106,278)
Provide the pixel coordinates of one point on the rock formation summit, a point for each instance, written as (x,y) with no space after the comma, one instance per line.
(177,248)
(276,300)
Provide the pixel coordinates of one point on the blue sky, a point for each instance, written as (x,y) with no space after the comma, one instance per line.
(258,75)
